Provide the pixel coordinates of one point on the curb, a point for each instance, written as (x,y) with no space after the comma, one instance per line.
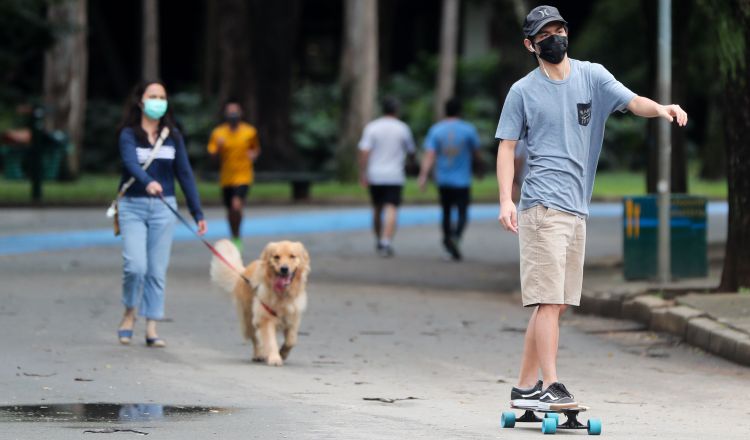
(691,325)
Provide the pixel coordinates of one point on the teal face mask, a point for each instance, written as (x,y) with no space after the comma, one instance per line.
(154,108)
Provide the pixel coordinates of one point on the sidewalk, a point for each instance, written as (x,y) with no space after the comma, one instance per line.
(718,323)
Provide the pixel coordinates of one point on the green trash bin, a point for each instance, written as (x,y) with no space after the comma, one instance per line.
(13,162)
(641,237)
(54,149)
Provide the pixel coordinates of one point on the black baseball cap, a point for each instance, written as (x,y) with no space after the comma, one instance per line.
(540,17)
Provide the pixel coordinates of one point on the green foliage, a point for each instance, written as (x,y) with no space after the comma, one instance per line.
(100,150)
(315,116)
(616,37)
(476,84)
(623,143)
(25,34)
(196,117)
(729,19)
(414,89)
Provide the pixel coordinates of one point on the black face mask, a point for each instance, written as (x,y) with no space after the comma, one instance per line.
(233,118)
(552,49)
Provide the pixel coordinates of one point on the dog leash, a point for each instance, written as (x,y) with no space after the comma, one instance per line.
(214,251)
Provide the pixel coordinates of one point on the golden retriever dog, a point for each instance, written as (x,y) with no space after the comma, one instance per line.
(271,295)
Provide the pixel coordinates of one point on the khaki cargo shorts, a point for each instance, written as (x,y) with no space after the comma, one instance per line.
(552,245)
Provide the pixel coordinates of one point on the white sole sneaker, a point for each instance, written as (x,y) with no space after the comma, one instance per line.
(526,403)
(556,406)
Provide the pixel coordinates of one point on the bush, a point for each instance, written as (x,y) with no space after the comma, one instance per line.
(315,118)
(99,152)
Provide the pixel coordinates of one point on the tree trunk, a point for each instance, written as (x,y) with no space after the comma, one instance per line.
(713,149)
(386,30)
(65,75)
(681,38)
(446,75)
(274,26)
(210,49)
(233,45)
(736,273)
(358,80)
(520,9)
(150,42)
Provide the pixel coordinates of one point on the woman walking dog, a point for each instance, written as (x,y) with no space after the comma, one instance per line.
(153,153)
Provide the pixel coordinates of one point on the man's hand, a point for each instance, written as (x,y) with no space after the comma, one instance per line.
(508,216)
(202,227)
(219,144)
(363,181)
(154,188)
(672,112)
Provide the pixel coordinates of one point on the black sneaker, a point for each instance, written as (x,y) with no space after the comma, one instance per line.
(526,396)
(556,397)
(452,248)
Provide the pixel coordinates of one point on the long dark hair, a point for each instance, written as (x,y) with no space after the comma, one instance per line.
(131,115)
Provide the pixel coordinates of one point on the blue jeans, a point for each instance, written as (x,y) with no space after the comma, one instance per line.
(147,229)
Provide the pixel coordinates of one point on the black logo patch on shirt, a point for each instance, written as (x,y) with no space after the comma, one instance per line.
(584,113)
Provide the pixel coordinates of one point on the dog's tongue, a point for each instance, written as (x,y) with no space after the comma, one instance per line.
(282,282)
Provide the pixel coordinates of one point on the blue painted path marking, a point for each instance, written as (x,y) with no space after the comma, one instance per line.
(317,221)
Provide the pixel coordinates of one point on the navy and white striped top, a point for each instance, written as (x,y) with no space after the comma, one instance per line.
(171,161)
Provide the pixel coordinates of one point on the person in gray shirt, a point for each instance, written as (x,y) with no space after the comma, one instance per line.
(520,169)
(559,111)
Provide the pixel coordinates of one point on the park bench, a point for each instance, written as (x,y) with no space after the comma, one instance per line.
(300,181)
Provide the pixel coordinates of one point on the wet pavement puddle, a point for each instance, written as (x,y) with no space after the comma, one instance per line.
(104,412)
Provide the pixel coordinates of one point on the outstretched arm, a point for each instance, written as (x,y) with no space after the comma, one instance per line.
(647,108)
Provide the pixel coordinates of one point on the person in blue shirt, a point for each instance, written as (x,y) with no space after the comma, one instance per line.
(146,224)
(451,146)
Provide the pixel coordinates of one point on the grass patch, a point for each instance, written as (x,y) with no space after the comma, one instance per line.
(99,189)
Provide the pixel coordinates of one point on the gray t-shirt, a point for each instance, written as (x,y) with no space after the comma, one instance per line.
(562,124)
(523,155)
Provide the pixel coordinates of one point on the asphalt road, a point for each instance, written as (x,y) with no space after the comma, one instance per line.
(447,334)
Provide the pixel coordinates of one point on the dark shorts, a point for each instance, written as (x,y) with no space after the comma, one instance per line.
(230,192)
(385,194)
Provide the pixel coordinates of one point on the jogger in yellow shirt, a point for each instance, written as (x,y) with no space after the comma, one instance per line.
(237,146)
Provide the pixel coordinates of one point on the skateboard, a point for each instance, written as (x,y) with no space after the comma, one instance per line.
(550,421)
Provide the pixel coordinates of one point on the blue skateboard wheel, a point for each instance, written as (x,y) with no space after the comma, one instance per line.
(555,416)
(549,425)
(594,426)
(508,419)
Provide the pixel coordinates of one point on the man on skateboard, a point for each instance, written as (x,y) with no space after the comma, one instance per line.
(559,110)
